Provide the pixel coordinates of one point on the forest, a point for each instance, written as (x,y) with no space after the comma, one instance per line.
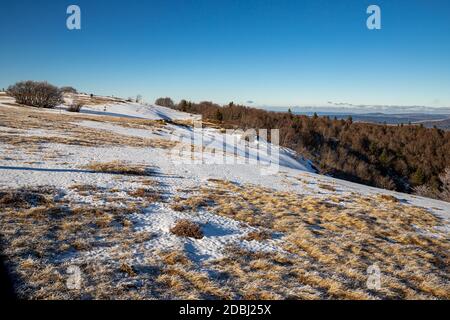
(397,157)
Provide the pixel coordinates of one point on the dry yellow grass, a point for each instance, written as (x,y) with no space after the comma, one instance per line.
(327,187)
(327,249)
(330,247)
(118,167)
(258,235)
(39,227)
(150,195)
(174,257)
(93,100)
(66,131)
(178,277)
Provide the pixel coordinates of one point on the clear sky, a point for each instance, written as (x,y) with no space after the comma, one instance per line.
(277,53)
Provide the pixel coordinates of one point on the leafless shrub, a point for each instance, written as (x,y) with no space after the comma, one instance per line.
(430,192)
(186,228)
(36,94)
(426,191)
(445,179)
(75,107)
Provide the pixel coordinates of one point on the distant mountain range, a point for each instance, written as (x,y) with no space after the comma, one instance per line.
(429,117)
(441,124)
(428,120)
(335,108)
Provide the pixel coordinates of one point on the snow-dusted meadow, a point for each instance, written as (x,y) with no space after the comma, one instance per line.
(161,264)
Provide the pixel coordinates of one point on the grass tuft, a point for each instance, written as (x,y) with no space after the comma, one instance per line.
(22,199)
(118,167)
(188,229)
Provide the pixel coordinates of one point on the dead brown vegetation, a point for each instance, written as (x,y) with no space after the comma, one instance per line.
(19,199)
(149,195)
(259,235)
(186,228)
(65,130)
(118,167)
(41,227)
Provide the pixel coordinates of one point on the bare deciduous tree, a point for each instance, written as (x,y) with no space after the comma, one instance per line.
(445,179)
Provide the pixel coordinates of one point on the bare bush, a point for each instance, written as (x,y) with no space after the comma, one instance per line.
(75,107)
(164,102)
(426,191)
(186,228)
(430,192)
(445,179)
(36,94)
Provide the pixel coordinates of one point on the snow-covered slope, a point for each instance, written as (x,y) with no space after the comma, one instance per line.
(230,143)
(116,107)
(55,148)
(291,164)
(137,110)
(227,142)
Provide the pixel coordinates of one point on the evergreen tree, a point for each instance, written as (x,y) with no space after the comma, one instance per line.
(219,115)
(418,177)
(183,105)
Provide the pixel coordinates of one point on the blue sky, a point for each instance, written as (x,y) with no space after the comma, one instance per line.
(277,53)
